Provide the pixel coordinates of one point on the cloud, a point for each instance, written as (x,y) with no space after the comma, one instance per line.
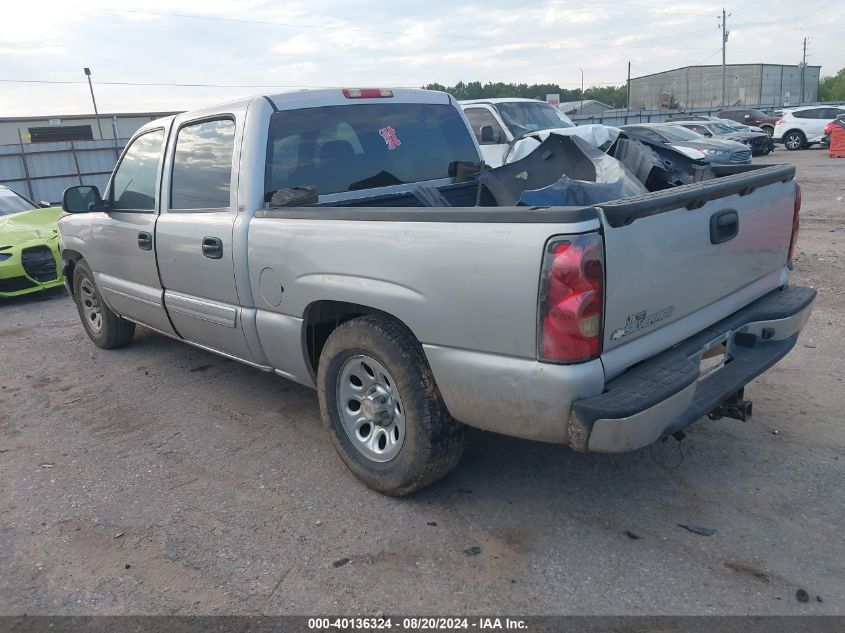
(356,42)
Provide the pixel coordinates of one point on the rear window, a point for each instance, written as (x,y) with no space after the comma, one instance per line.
(353,147)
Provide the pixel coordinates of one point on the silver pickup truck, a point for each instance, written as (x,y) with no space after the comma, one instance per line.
(416,299)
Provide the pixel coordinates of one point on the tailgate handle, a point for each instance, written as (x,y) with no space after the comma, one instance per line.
(724,226)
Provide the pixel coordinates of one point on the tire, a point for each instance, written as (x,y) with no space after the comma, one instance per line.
(106,329)
(768,129)
(794,140)
(381,406)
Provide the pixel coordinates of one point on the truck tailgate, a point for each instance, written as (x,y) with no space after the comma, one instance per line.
(680,260)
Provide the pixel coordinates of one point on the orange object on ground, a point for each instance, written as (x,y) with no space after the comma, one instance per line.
(837,143)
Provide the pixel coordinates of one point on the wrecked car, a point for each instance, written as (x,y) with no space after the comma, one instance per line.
(500,125)
(352,241)
(714,151)
(758,142)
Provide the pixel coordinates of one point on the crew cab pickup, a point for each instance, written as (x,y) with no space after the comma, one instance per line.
(417,299)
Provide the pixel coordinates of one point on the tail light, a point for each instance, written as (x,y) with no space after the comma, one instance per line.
(367,93)
(796,221)
(780,121)
(571,300)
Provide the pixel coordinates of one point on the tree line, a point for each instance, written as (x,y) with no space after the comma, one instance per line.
(832,88)
(615,96)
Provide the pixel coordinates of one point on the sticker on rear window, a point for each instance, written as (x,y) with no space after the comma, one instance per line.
(390,138)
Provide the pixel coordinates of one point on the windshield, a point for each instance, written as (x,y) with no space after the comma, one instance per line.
(523,117)
(678,133)
(349,148)
(11,202)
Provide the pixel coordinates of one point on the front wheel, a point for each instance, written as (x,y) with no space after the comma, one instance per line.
(793,140)
(379,401)
(104,327)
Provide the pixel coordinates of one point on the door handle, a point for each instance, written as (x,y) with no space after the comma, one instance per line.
(212,247)
(724,226)
(145,241)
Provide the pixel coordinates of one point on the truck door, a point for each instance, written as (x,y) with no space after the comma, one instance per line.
(123,255)
(194,235)
(489,133)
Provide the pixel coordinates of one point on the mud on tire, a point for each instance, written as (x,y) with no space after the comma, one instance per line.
(432,442)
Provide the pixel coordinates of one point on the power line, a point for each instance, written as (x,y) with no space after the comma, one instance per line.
(197,85)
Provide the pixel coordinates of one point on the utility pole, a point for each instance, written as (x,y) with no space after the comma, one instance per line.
(91,88)
(803,71)
(725,33)
(628,89)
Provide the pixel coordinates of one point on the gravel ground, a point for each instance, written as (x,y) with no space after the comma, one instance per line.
(162,479)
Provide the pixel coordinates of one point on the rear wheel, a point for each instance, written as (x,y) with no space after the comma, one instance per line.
(383,410)
(104,327)
(768,129)
(794,140)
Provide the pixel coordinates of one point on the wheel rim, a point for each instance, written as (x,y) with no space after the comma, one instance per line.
(793,141)
(370,408)
(91,311)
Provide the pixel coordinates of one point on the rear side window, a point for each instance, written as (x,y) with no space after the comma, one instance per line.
(363,146)
(814,113)
(202,165)
(134,182)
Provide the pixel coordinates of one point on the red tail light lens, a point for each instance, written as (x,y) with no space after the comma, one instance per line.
(780,121)
(571,300)
(796,221)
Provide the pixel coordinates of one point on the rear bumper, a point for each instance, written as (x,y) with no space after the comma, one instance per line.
(666,393)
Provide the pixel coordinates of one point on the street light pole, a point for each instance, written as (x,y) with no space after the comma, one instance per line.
(96,113)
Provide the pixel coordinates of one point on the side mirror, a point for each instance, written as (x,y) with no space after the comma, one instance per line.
(81,199)
(44,204)
(487,135)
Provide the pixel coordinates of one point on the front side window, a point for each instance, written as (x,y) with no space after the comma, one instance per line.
(134,182)
(202,165)
(482,117)
(679,133)
(364,146)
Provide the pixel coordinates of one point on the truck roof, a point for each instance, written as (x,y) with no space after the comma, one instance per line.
(312,99)
(495,100)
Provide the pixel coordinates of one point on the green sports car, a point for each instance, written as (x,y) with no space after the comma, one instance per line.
(29,245)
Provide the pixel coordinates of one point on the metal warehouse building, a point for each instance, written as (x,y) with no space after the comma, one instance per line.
(765,85)
(41,156)
(73,127)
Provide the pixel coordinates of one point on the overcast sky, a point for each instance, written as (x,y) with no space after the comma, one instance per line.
(320,43)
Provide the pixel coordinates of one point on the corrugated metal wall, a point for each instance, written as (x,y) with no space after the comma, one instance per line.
(42,171)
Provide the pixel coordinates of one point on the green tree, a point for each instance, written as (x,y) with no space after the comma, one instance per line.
(615,96)
(832,88)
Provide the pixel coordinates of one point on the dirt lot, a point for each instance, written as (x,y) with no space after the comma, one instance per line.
(162,479)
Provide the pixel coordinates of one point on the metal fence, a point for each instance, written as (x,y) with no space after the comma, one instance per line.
(42,171)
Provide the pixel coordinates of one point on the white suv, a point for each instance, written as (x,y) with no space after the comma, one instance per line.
(802,127)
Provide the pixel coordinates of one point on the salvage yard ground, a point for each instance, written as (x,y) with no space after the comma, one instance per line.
(162,479)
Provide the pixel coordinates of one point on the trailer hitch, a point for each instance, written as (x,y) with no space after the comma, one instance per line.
(733,407)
